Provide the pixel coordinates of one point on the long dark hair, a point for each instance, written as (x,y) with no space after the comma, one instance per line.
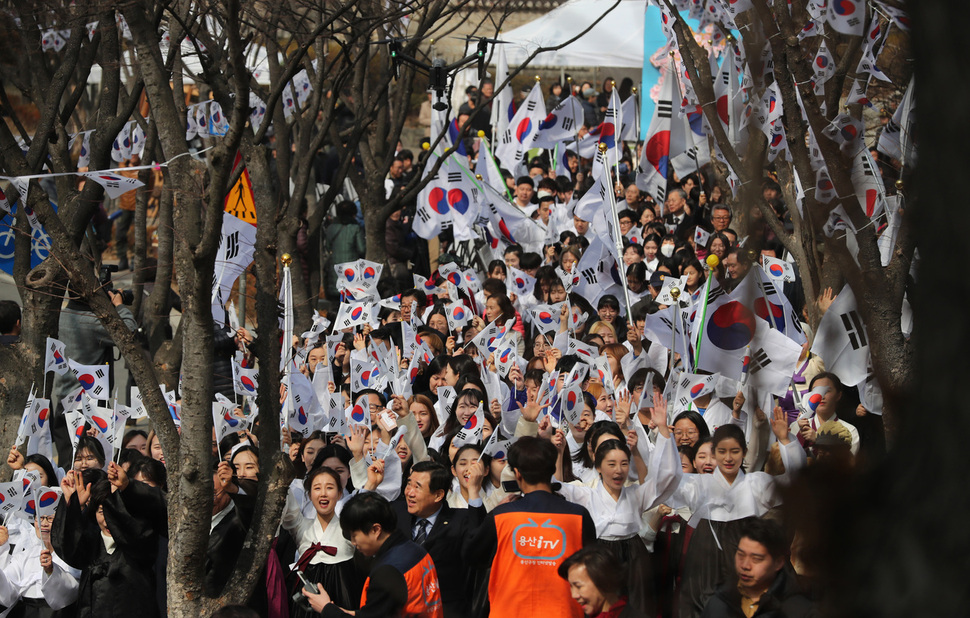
(451,424)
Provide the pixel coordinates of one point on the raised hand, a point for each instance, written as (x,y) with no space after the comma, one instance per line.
(545,428)
(117,477)
(15,459)
(530,411)
(67,485)
(825,300)
(375,475)
(737,405)
(658,414)
(399,406)
(559,441)
(356,440)
(622,413)
(779,425)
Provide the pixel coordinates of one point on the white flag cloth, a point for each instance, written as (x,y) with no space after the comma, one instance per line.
(366,374)
(245,375)
(847,16)
(304,409)
(286,321)
(561,124)
(653,171)
(362,274)
(546,318)
(458,315)
(237,246)
(93,378)
(55,359)
(520,135)
(360,412)
(46,499)
(773,359)
(24,430)
(352,314)
(841,340)
(868,185)
(759,293)
(607,135)
(630,119)
(898,138)
(692,386)
(451,198)
(121,146)
(519,282)
(471,431)
(572,403)
(779,270)
(13,497)
(498,448)
(225,420)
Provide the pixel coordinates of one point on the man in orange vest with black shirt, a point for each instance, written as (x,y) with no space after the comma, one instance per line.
(529,538)
(402,581)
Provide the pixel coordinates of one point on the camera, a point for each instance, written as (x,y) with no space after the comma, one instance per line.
(104,279)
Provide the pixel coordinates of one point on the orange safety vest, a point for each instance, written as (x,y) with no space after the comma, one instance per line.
(424,593)
(524,578)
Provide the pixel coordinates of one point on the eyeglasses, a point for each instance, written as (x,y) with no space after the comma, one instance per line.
(540,345)
(721,218)
(690,433)
(46,519)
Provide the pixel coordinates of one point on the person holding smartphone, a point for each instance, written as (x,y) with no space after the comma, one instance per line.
(403,578)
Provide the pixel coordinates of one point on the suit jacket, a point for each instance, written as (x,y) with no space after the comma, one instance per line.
(444,546)
(683,227)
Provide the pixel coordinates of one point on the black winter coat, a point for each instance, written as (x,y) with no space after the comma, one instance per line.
(121,583)
(784,599)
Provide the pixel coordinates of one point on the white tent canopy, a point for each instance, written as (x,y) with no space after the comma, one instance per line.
(616,41)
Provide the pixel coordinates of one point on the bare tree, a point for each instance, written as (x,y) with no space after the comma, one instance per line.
(824,260)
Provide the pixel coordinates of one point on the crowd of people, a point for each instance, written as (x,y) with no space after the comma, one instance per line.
(499,466)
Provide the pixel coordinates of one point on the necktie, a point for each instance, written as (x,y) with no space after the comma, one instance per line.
(422,533)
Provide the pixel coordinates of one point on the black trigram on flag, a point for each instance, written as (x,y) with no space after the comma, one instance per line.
(715,294)
(567,124)
(759,360)
(454,177)
(664,109)
(530,105)
(855,330)
(423,215)
(232,245)
(589,275)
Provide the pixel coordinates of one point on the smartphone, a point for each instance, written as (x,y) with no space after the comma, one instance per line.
(307,583)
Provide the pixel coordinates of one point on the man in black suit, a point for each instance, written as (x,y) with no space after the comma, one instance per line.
(425,517)
(676,214)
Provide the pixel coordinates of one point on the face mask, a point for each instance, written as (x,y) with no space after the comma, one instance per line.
(667,250)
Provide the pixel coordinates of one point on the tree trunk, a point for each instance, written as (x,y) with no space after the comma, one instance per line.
(891,558)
